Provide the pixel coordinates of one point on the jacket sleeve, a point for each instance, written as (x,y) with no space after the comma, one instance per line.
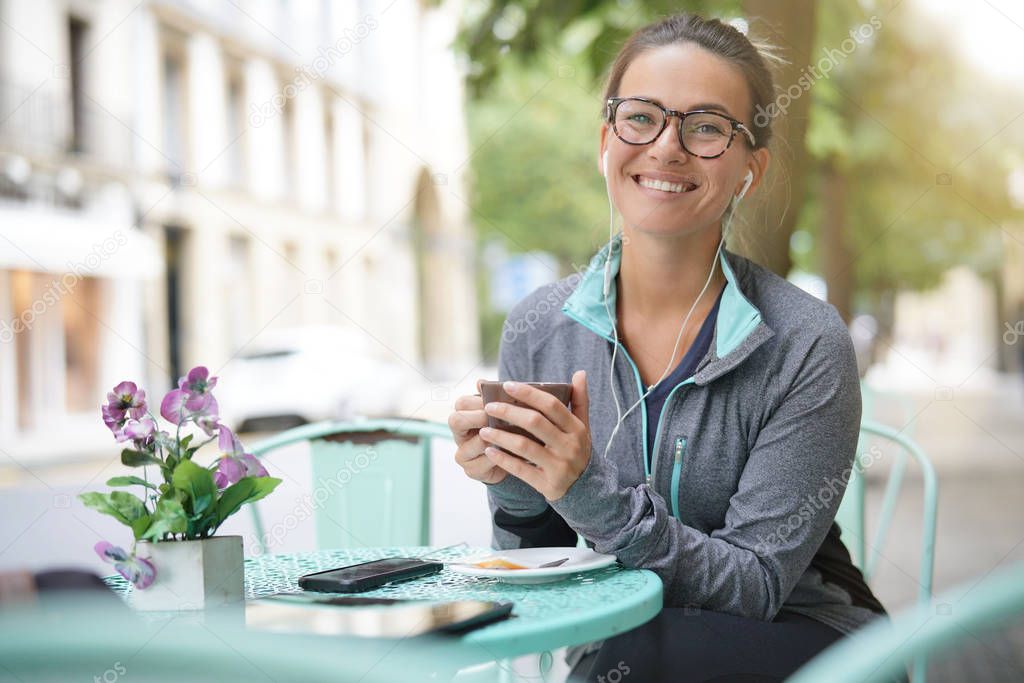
(785,502)
(521,517)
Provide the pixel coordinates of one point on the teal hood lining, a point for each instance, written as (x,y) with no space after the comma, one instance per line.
(737,317)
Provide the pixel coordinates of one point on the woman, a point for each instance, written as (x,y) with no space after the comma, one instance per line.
(715,454)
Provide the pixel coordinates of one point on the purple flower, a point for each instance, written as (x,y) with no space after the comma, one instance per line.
(128,397)
(137,430)
(235,463)
(139,571)
(172,407)
(113,418)
(197,386)
(124,402)
(177,409)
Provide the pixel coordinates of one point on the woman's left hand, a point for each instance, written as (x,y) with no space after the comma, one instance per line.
(565,453)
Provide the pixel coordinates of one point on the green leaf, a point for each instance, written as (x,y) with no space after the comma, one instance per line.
(186,441)
(196,482)
(132,458)
(130,481)
(121,505)
(245,490)
(140,525)
(169,518)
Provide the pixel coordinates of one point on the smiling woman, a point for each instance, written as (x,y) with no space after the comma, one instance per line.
(741,392)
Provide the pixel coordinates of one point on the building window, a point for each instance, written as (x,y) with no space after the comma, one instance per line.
(24,348)
(235,129)
(174,246)
(77,33)
(237,287)
(174,115)
(289,151)
(330,160)
(295,288)
(82,345)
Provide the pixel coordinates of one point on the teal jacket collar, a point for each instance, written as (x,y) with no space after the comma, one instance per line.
(739,328)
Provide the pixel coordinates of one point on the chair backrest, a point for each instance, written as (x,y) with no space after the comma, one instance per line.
(851,514)
(881,650)
(371,480)
(851,517)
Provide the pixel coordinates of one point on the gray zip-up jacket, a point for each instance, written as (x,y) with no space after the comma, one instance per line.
(752,453)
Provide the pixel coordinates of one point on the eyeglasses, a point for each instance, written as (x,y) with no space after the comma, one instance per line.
(704,134)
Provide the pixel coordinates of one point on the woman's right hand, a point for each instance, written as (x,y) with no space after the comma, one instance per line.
(465,423)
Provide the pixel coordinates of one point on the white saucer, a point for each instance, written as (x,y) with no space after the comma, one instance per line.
(580,560)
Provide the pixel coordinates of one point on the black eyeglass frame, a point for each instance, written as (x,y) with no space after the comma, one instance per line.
(612,105)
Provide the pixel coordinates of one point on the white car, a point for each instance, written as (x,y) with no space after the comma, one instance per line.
(292,376)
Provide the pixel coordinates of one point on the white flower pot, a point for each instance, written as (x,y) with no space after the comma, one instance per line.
(192,575)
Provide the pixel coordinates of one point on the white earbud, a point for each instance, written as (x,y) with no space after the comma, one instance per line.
(746,185)
(604,161)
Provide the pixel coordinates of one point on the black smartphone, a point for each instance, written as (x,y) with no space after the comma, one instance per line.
(366,576)
(370,617)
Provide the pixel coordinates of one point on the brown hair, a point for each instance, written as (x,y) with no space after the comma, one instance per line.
(718,38)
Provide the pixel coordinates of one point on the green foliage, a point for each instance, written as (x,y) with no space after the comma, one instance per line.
(168,519)
(132,458)
(122,506)
(247,490)
(923,163)
(501,34)
(186,505)
(130,481)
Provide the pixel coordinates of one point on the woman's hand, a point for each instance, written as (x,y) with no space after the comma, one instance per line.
(565,453)
(465,423)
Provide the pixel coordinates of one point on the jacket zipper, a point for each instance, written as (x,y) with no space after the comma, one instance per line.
(661,426)
(677,467)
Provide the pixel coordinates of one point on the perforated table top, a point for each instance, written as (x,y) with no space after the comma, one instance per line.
(581,608)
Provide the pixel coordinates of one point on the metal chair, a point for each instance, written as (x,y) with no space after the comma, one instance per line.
(381,466)
(881,650)
(851,516)
(79,637)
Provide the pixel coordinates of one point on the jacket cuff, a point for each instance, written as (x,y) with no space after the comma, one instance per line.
(591,504)
(516,497)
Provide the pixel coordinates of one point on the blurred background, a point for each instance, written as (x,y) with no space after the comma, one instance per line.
(334,204)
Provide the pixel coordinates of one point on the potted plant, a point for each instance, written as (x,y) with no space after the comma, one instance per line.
(175,561)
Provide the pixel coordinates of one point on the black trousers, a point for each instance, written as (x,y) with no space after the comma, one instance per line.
(687,644)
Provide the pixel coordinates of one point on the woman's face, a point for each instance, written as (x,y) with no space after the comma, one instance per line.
(680,77)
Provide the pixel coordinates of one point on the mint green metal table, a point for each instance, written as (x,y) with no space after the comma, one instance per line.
(582,608)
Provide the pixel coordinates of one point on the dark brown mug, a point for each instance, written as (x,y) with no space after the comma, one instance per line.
(494,391)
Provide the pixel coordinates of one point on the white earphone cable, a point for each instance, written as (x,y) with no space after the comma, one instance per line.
(620,417)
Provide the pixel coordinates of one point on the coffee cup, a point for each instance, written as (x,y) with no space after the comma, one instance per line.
(495,391)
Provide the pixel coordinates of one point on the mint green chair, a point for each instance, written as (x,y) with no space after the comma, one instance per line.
(881,650)
(851,517)
(82,637)
(371,480)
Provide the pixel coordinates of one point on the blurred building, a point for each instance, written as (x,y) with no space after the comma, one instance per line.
(178,176)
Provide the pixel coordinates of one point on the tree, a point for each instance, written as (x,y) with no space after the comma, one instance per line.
(903,170)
